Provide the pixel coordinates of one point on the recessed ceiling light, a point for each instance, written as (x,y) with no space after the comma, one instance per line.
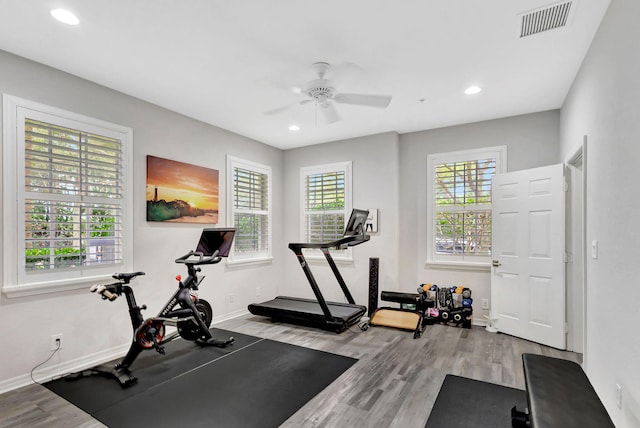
(65,16)
(472,90)
(294,128)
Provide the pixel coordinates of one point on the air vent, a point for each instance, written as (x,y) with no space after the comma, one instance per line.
(545,19)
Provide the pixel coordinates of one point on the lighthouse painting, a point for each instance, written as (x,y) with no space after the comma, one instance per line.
(181,192)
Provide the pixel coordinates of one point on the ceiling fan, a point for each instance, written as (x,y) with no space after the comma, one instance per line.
(323,95)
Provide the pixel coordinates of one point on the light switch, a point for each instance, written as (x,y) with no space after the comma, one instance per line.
(594,249)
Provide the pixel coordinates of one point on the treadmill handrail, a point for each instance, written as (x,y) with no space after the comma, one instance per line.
(324,247)
(349,240)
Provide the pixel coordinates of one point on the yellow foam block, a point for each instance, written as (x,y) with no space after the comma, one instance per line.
(397,319)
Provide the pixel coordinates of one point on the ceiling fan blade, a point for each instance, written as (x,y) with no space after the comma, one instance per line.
(380,101)
(285,108)
(329,112)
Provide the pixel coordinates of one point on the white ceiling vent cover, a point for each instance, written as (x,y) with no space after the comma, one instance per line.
(546,18)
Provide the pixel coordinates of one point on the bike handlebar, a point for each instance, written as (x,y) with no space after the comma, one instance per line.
(201,258)
(112,291)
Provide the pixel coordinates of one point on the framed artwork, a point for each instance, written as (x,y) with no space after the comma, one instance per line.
(181,192)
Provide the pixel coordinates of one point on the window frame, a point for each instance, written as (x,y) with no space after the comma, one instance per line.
(259,257)
(459,261)
(346,255)
(17,280)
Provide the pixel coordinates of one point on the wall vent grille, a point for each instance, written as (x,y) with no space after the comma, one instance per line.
(544,19)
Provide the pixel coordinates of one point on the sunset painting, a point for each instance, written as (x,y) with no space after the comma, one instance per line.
(180,192)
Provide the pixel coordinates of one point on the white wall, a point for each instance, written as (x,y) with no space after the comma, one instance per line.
(531,140)
(603,104)
(375,185)
(89,325)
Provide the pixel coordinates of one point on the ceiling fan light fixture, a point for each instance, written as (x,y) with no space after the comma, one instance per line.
(472,90)
(294,128)
(322,95)
(65,16)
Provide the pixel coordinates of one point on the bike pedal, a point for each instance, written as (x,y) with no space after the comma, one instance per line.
(215,342)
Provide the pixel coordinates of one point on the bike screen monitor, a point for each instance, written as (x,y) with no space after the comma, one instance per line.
(215,239)
(355,225)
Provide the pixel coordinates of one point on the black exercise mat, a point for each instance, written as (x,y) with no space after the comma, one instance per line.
(259,385)
(464,402)
(94,393)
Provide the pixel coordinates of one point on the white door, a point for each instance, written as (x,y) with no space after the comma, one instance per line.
(527,277)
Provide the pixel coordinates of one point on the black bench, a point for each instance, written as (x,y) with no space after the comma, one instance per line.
(559,394)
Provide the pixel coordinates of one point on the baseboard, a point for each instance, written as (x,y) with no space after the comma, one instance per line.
(230,316)
(479,322)
(45,374)
(242,312)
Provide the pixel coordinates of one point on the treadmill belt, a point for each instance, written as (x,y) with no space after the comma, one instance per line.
(308,311)
(338,310)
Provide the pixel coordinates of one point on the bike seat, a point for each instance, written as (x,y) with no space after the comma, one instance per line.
(126,276)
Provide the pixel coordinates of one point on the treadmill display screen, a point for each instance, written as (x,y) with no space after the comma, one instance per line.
(216,239)
(355,225)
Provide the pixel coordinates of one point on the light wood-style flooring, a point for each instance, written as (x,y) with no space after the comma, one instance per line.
(394,383)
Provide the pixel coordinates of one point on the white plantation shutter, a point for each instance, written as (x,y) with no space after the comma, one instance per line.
(250,209)
(463,206)
(326,200)
(67,185)
(460,194)
(324,206)
(73,197)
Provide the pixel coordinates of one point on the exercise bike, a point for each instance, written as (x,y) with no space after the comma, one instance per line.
(190,315)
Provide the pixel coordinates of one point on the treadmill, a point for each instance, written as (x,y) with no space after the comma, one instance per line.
(332,316)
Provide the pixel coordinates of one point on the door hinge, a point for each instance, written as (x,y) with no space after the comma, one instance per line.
(566,328)
(566,257)
(566,185)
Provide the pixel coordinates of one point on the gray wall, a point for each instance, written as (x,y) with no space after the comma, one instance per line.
(531,140)
(389,173)
(375,185)
(603,105)
(28,322)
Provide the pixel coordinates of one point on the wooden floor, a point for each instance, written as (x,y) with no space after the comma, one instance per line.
(394,383)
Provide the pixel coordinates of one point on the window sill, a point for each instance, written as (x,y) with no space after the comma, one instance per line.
(34,289)
(466,266)
(249,262)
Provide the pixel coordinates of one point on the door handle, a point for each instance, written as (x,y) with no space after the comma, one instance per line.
(496,263)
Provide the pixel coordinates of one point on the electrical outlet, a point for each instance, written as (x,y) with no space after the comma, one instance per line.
(619,395)
(231,298)
(56,341)
(485,303)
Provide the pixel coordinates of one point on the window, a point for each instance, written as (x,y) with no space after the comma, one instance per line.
(326,203)
(250,210)
(65,196)
(459,193)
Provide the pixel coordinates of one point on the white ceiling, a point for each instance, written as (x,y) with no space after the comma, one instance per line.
(226,62)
